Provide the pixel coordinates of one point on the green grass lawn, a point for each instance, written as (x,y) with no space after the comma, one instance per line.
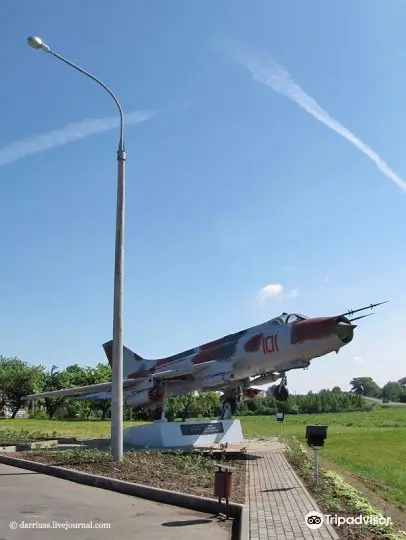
(372,443)
(82,429)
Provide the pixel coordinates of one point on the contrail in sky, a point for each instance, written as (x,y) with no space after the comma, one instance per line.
(17,150)
(279,79)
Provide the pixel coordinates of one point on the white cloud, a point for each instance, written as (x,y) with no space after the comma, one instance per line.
(358,360)
(17,150)
(273,289)
(271,74)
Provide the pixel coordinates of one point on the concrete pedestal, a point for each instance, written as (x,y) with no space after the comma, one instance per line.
(163,434)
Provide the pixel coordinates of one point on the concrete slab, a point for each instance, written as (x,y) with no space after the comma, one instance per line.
(8,449)
(39,507)
(36,445)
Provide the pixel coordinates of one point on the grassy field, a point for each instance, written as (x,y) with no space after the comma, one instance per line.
(370,444)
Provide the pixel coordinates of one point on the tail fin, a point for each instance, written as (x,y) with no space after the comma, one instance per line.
(130,358)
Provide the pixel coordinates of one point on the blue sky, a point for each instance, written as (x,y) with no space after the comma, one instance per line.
(236,179)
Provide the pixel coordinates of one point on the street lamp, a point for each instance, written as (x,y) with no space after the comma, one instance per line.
(117,360)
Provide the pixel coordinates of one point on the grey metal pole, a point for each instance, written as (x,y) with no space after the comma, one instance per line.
(117,360)
(316,465)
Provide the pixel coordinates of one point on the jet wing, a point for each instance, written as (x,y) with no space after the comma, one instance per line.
(81,390)
(97,395)
(93,389)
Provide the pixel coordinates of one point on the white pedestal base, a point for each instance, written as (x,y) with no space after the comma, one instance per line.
(163,434)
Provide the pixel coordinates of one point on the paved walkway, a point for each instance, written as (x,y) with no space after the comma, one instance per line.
(29,500)
(278,501)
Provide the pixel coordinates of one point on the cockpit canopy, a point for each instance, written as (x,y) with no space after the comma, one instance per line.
(287,318)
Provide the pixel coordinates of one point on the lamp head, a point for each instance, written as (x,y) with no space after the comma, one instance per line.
(36,43)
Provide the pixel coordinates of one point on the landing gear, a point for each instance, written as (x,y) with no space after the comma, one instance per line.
(228,408)
(281,392)
(156,413)
(157,395)
(230,401)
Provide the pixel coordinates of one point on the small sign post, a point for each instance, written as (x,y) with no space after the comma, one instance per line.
(280,416)
(316,435)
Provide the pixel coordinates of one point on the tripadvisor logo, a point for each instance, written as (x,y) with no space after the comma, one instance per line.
(314,520)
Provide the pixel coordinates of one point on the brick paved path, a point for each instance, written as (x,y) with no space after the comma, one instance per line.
(278,500)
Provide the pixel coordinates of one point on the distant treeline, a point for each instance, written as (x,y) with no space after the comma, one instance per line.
(324,401)
(391,391)
(18,379)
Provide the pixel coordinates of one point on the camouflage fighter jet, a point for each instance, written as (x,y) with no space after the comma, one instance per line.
(234,364)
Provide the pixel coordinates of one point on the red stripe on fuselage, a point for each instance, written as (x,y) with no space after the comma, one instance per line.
(207,355)
(313,329)
(253,344)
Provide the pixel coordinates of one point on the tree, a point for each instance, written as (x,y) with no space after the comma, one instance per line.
(181,407)
(336,389)
(208,404)
(71,377)
(402,382)
(80,376)
(101,374)
(365,386)
(5,374)
(392,391)
(54,380)
(17,380)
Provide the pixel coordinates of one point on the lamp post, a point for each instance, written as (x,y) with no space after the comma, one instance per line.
(117,359)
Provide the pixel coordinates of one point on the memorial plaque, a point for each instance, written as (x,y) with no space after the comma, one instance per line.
(202,429)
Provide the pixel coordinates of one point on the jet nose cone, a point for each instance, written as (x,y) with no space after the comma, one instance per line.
(322,328)
(345,331)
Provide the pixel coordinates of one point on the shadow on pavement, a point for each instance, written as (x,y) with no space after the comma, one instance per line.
(277,489)
(251,457)
(185,523)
